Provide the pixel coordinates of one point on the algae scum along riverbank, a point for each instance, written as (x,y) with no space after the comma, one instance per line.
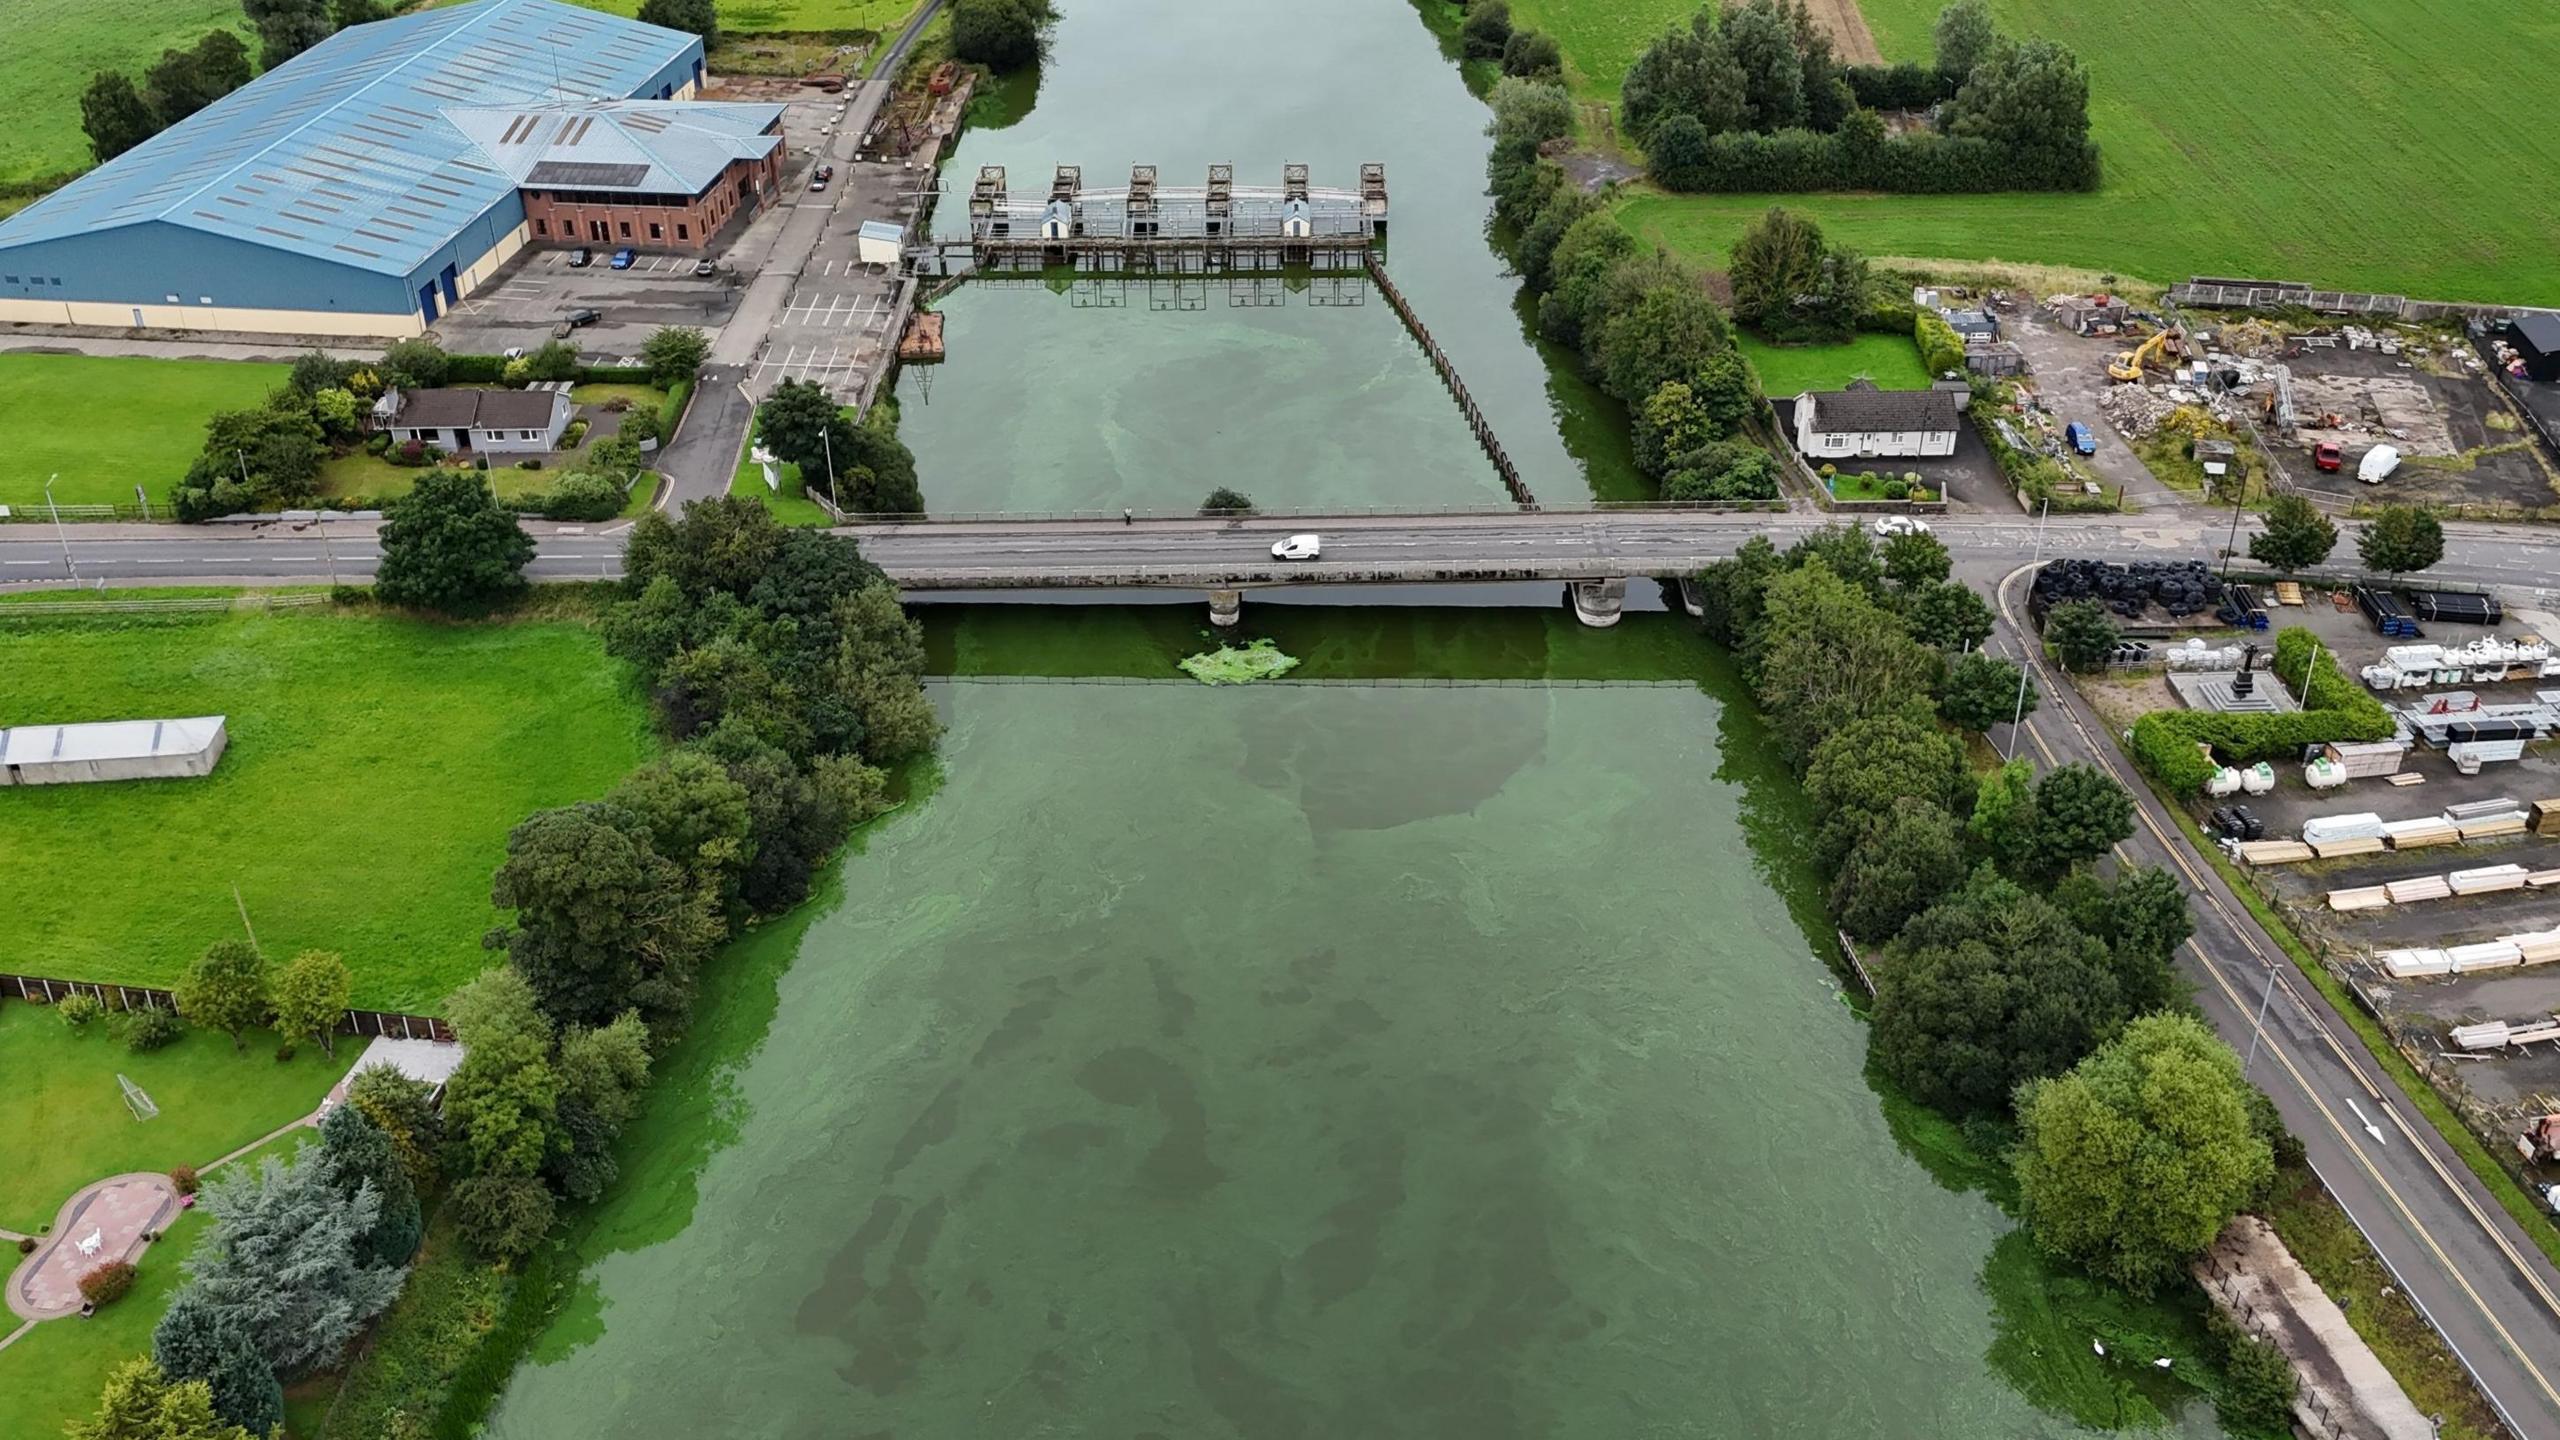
(1300,1060)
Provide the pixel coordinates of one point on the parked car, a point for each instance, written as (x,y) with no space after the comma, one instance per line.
(2083,439)
(2377,464)
(581,258)
(819,177)
(2327,456)
(580,319)
(705,267)
(1298,547)
(623,257)
(1901,525)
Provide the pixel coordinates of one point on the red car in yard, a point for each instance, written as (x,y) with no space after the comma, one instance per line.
(2328,456)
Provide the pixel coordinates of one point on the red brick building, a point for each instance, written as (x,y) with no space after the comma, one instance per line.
(652,174)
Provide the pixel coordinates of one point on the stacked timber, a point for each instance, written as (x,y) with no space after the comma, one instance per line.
(2489,1035)
(2546,817)
(2417,834)
(2540,878)
(2321,828)
(2352,845)
(2417,888)
(2410,964)
(2361,897)
(2274,852)
(2538,947)
(2489,955)
(2491,827)
(2486,880)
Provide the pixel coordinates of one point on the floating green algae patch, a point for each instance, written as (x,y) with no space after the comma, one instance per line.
(1239,664)
(1296,1061)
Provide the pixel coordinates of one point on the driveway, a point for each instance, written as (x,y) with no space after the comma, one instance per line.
(2070,373)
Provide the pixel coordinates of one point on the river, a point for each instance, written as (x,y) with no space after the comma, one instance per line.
(1104,393)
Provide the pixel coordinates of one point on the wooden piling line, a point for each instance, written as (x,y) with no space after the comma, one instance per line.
(1440,361)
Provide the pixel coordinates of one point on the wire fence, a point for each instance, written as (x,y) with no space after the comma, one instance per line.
(44,990)
(1337,682)
(1326,512)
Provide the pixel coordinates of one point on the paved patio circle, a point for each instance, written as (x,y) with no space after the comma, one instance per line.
(120,1211)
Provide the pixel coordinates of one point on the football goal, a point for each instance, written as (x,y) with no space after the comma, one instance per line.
(137,1100)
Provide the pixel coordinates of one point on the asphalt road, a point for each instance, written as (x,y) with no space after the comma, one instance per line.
(1201,553)
(2465,1262)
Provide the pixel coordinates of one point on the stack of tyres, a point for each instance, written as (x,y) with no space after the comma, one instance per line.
(2181,588)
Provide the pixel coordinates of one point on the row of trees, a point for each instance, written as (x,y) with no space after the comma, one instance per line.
(117,114)
(864,468)
(782,664)
(1645,326)
(999,34)
(1488,34)
(2016,985)
(2400,539)
(1750,98)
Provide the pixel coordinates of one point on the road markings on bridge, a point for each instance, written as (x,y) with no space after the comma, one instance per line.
(2195,881)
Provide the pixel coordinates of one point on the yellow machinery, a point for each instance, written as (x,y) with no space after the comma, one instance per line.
(2128,365)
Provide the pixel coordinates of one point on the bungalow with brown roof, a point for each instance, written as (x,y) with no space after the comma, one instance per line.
(1866,422)
(511,421)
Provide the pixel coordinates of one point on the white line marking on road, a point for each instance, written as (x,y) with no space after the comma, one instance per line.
(2369,1127)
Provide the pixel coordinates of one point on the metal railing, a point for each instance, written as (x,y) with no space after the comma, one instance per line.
(42,990)
(1492,510)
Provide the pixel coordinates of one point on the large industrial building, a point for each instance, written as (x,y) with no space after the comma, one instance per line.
(370,183)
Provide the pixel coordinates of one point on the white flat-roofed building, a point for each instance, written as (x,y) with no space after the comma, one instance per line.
(111,750)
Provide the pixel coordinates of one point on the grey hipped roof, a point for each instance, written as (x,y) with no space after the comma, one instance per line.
(466,409)
(2540,331)
(659,147)
(1864,409)
(516,409)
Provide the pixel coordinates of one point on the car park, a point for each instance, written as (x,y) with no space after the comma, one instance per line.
(1298,547)
(581,258)
(1900,525)
(623,257)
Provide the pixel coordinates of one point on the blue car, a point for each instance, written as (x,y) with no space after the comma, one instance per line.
(622,258)
(2082,439)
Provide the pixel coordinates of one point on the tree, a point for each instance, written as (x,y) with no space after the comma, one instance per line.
(795,817)
(602,920)
(311,994)
(1826,655)
(140,1403)
(1964,35)
(1982,691)
(1724,472)
(286,28)
(418,363)
(1591,249)
(1687,72)
(999,34)
(694,17)
(1948,615)
(2081,812)
(879,667)
(2297,536)
(176,86)
(2142,916)
(504,1216)
(403,1109)
(602,1074)
(882,477)
(2133,1162)
(1862,768)
(358,1155)
(1763,43)
(1778,276)
(558,360)
(718,546)
(114,115)
(675,352)
(1900,865)
(1985,991)
(2401,539)
(1223,501)
(226,989)
(1532,53)
(2032,101)
(500,1101)
(449,545)
(284,1261)
(1828,102)
(1916,558)
(803,425)
(2081,635)
(1529,112)
(196,1341)
(356,12)
(695,815)
(1486,30)
(2003,823)
(1670,332)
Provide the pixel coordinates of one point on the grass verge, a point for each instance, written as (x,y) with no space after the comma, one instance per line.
(104,424)
(1786,371)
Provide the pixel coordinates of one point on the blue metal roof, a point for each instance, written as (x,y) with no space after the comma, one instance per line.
(344,153)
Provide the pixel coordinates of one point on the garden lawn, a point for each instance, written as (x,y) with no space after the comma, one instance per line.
(2372,145)
(107,424)
(56,45)
(66,1118)
(1786,371)
(54,1373)
(791,505)
(375,766)
(359,476)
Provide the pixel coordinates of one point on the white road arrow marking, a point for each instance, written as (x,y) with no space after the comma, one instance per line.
(2369,1127)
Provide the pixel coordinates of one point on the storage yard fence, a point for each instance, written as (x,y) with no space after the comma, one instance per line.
(46,991)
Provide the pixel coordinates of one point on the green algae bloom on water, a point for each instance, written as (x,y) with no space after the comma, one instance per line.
(1230,665)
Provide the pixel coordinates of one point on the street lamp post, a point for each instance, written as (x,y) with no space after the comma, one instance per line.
(2018,711)
(2259,1030)
(321,522)
(60,534)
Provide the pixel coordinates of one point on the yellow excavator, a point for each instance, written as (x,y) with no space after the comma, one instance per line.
(2128,365)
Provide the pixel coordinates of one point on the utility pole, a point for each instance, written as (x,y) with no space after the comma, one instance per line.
(2260,1028)
(60,534)
(321,522)
(2018,711)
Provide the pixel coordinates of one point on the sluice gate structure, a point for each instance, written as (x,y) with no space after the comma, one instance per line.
(1147,226)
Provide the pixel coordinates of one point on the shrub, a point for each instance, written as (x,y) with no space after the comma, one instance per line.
(151,1029)
(26,1244)
(1486,30)
(2334,708)
(107,1284)
(530,462)
(1223,501)
(411,452)
(80,1009)
(182,1178)
(1897,489)
(377,442)
(474,369)
(576,432)
(1941,348)
(584,496)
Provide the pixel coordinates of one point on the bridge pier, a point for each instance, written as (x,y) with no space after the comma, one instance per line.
(1226,607)
(1598,603)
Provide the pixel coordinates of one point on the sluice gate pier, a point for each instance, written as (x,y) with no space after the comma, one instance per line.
(1147,226)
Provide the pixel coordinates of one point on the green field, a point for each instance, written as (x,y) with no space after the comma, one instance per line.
(67,1121)
(1892,361)
(2376,144)
(375,766)
(53,1374)
(107,424)
(753,16)
(1601,38)
(56,45)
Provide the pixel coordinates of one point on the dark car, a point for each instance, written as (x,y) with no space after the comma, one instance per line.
(578,319)
(819,177)
(2251,827)
(581,258)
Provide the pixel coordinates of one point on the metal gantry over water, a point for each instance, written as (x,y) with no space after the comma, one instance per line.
(1146,225)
